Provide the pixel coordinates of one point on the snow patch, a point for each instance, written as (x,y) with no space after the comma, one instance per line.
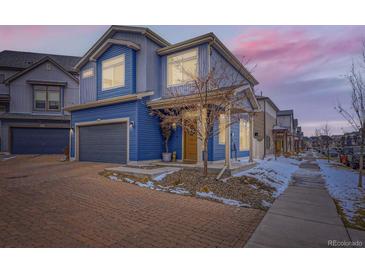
(160,177)
(213,196)
(179,190)
(114,178)
(276,173)
(128,180)
(342,186)
(149,184)
(8,158)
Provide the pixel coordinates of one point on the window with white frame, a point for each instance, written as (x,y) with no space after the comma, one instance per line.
(88,73)
(47,98)
(182,67)
(222,129)
(113,72)
(244,135)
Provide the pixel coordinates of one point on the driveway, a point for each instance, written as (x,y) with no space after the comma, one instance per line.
(48,203)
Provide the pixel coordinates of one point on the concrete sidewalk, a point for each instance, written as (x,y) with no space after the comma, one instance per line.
(303,216)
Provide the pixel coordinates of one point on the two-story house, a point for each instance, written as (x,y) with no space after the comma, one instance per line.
(264,123)
(131,70)
(34,89)
(284,131)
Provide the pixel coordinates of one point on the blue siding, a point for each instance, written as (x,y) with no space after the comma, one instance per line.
(88,85)
(145,139)
(219,151)
(221,66)
(122,110)
(150,141)
(130,72)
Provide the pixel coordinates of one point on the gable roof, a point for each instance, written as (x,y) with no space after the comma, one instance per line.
(213,40)
(285,112)
(111,31)
(258,97)
(20,60)
(42,61)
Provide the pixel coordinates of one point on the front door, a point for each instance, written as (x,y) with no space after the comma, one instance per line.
(190,146)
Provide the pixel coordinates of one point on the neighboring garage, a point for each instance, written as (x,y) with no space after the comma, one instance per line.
(104,143)
(39,140)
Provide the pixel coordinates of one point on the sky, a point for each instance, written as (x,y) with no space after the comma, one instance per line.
(299,67)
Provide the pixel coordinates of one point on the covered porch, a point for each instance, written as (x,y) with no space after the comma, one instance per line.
(188,147)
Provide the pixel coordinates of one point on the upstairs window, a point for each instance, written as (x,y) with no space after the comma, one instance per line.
(47,98)
(182,67)
(113,72)
(244,135)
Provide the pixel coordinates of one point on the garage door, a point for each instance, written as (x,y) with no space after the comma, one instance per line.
(39,140)
(103,143)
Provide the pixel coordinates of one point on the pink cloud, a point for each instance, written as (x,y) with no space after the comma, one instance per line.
(282,52)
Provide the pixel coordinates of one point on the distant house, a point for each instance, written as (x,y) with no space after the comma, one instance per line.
(128,72)
(264,122)
(284,131)
(34,89)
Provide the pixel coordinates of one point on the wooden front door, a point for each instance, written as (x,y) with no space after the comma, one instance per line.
(190,147)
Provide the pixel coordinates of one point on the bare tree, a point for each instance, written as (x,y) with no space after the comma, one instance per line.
(318,133)
(355,114)
(326,132)
(198,105)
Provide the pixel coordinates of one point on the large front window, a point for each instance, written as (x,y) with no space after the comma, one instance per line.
(47,98)
(182,67)
(113,72)
(244,135)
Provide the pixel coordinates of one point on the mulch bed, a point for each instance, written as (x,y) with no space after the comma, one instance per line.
(244,189)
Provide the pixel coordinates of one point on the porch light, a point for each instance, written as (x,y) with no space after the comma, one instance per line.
(131,124)
(174,126)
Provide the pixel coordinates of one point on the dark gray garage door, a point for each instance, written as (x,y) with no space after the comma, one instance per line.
(39,140)
(103,143)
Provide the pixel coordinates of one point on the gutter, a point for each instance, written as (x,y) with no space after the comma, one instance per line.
(110,101)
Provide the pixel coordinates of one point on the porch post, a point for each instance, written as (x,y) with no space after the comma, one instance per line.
(228,139)
(251,137)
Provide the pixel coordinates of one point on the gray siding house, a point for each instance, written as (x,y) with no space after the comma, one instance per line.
(34,90)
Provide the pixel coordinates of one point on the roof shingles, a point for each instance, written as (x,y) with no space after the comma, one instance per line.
(21,60)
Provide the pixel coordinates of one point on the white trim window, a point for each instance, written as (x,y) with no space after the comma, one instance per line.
(244,135)
(87,73)
(47,98)
(113,72)
(182,67)
(222,129)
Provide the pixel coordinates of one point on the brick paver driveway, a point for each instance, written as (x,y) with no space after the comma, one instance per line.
(48,203)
